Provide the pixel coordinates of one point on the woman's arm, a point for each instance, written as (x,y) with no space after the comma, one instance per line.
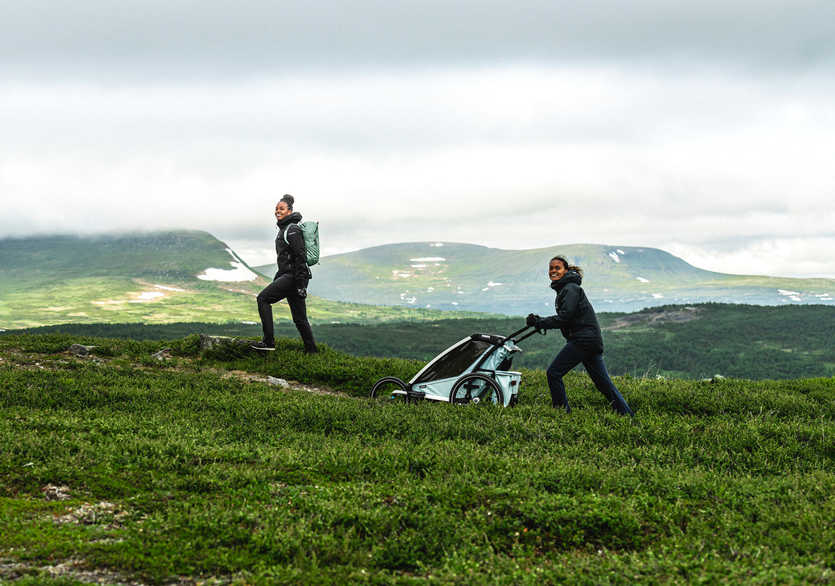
(568,302)
(295,240)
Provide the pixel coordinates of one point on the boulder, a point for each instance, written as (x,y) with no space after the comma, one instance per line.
(224,347)
(208,342)
(52,492)
(278,382)
(162,355)
(80,349)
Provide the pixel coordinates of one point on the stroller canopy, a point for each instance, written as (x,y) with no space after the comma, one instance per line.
(462,357)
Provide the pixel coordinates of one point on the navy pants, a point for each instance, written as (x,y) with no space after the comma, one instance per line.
(283,287)
(569,357)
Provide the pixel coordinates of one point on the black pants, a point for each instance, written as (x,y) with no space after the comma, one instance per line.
(284,288)
(569,357)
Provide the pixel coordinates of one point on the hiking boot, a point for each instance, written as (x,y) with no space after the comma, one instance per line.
(263,346)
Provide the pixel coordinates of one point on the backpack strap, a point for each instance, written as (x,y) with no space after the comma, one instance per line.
(287,229)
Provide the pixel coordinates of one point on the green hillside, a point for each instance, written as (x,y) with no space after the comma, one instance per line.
(514,282)
(145,277)
(697,341)
(121,468)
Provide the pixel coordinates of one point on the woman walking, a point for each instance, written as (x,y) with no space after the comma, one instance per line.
(290,282)
(584,342)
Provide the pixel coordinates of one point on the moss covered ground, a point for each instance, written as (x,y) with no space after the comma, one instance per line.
(120,467)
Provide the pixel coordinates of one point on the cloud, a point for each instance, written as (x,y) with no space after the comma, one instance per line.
(639,123)
(149,37)
(784,256)
(589,142)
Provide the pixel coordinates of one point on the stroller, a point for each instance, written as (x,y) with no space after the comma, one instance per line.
(475,370)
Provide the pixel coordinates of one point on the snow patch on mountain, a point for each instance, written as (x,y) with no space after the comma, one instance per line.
(239,273)
(793,295)
(642,280)
(614,256)
(428,259)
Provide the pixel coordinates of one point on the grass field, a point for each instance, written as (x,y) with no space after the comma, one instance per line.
(119,467)
(93,300)
(698,341)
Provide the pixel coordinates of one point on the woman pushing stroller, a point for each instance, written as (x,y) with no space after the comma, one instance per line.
(576,319)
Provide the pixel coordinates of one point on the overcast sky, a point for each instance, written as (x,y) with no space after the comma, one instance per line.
(707,130)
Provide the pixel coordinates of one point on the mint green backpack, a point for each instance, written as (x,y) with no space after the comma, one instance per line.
(310,233)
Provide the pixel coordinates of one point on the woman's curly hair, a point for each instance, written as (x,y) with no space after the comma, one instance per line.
(288,199)
(567,265)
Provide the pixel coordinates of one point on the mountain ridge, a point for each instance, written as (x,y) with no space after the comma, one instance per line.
(190,275)
(150,277)
(450,275)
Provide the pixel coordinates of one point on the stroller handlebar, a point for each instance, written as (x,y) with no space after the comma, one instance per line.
(513,337)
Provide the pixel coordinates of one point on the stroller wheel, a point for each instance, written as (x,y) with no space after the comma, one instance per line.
(389,389)
(476,389)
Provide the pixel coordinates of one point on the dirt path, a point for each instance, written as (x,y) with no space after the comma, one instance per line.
(281,383)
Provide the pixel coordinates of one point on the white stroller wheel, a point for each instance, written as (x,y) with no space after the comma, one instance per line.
(389,389)
(476,389)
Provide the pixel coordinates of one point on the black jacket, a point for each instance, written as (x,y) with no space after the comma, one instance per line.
(292,258)
(575,316)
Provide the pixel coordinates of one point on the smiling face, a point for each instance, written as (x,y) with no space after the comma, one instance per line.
(282,210)
(556,269)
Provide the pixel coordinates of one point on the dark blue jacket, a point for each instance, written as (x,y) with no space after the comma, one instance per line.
(575,316)
(292,257)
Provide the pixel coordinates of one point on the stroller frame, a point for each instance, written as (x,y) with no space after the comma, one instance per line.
(474,370)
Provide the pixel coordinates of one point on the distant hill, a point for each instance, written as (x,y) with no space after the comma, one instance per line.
(153,277)
(443,275)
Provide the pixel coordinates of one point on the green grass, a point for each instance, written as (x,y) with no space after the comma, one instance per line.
(93,300)
(212,476)
(732,340)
